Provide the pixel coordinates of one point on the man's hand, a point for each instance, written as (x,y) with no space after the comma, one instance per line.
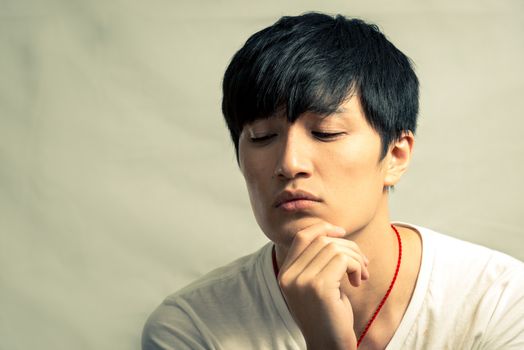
(318,263)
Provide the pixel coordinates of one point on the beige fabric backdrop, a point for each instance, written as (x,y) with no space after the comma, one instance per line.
(118,183)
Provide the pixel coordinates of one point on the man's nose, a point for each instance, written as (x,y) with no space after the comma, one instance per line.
(294,157)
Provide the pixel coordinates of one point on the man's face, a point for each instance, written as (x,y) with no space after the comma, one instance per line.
(335,159)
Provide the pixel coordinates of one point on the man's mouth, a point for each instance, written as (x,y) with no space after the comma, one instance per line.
(295,199)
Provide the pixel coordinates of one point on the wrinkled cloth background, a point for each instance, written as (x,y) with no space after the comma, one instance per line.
(118,182)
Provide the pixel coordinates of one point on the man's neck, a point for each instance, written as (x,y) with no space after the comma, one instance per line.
(390,316)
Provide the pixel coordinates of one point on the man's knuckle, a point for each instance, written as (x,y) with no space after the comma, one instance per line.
(323,240)
(332,248)
(302,282)
(327,226)
(284,280)
(352,245)
(341,257)
(317,286)
(300,235)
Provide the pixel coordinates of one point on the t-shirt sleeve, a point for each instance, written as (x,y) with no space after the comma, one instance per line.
(170,328)
(505,329)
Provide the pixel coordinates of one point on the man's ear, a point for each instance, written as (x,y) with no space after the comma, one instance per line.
(398,158)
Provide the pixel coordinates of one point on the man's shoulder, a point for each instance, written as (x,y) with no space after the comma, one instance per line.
(449,250)
(221,280)
(225,297)
(453,268)
(467,296)
(470,275)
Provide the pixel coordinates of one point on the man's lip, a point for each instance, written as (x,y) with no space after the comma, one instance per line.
(292,195)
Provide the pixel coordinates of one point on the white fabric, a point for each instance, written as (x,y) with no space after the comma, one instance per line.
(466,297)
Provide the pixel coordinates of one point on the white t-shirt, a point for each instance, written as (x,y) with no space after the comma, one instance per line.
(466,297)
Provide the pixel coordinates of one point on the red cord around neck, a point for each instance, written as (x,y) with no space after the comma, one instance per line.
(383,301)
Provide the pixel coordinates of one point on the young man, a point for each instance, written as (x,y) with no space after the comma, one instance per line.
(322,111)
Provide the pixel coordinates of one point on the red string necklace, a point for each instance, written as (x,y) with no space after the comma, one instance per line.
(382,302)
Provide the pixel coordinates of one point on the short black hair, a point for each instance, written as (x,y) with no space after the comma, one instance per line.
(312,63)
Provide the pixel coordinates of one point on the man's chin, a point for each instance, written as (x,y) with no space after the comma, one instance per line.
(286,232)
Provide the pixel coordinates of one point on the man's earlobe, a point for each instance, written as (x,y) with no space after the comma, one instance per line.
(400,153)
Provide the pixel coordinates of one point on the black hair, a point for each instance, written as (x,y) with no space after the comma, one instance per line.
(312,63)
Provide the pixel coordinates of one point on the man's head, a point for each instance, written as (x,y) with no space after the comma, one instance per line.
(312,63)
(321,109)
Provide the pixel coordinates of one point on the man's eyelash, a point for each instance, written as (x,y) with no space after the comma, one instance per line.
(326,135)
(261,138)
(317,134)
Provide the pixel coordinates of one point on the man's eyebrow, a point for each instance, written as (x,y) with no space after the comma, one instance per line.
(336,112)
